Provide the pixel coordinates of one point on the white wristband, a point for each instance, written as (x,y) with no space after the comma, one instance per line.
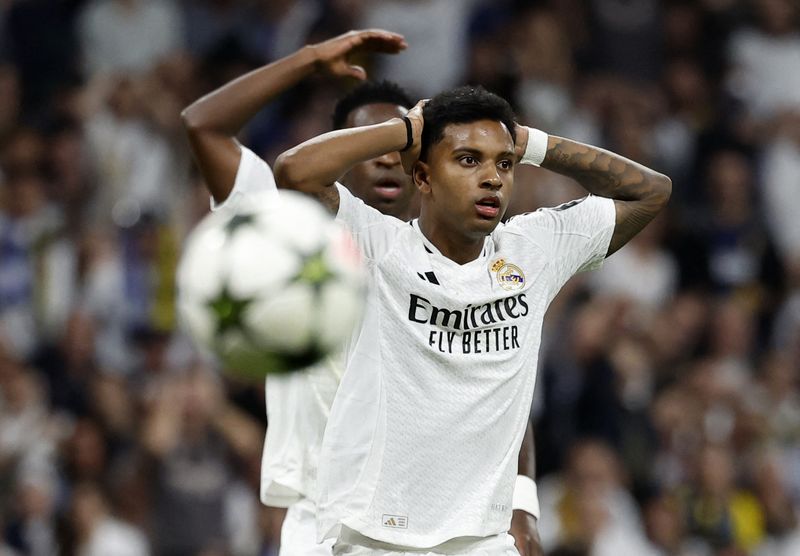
(536,149)
(526,496)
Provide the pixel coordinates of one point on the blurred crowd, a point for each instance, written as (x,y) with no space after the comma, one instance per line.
(667,409)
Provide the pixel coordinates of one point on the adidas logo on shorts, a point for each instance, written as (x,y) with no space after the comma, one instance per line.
(395,521)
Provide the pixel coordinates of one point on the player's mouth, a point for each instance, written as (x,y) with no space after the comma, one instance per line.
(488,207)
(388,189)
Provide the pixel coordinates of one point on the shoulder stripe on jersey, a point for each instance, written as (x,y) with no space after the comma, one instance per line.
(562,206)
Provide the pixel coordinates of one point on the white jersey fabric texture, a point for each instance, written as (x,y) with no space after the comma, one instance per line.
(422,441)
(298,404)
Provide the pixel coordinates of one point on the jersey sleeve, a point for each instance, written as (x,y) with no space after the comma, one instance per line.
(253,177)
(373,231)
(574,236)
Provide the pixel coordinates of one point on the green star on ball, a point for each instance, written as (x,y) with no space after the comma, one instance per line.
(229,310)
(237,222)
(313,270)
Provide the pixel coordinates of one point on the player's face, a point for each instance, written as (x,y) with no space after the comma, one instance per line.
(469,176)
(380,182)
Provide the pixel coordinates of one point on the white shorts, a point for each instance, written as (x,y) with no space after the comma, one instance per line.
(299,532)
(352,543)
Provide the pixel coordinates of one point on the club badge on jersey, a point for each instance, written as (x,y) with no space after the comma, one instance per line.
(509,276)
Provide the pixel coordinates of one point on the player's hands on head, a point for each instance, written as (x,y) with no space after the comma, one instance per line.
(333,55)
(521,142)
(411,155)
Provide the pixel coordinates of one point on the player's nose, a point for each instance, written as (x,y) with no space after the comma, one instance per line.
(388,160)
(491,180)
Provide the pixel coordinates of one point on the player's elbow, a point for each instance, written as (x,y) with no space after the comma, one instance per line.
(660,189)
(189,119)
(196,120)
(288,170)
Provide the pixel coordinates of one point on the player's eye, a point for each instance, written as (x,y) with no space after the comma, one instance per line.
(468,160)
(506,164)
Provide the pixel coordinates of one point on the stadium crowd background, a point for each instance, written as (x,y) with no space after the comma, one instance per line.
(667,409)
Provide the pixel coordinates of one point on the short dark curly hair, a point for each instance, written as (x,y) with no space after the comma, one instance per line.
(463,105)
(369,92)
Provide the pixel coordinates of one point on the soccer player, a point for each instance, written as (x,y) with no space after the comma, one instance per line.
(298,404)
(420,448)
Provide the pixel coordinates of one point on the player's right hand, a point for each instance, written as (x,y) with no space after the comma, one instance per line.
(332,55)
(411,155)
(522,141)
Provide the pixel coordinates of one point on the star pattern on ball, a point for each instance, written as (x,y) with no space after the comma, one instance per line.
(229,310)
(313,271)
(238,221)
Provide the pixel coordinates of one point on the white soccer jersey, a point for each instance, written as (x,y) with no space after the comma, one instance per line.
(423,437)
(298,403)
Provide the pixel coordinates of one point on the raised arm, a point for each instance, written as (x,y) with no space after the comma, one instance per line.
(314,166)
(639,193)
(213,121)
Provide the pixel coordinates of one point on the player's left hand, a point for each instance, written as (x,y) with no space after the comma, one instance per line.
(332,56)
(526,534)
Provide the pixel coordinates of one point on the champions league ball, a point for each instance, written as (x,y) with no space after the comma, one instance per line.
(272,288)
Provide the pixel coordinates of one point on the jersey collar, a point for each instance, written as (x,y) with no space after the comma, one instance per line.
(430,248)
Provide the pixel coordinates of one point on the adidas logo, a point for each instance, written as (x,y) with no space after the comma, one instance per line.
(395,521)
(428,277)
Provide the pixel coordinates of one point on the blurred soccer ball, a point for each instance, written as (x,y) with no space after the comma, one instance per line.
(270,289)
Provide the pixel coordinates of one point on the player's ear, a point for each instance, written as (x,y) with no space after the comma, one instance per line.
(421,176)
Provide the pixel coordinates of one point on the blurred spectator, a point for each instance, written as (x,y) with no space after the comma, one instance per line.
(70,180)
(577,380)
(103,299)
(739,250)
(436,31)
(764,54)
(28,432)
(626,37)
(37,275)
(689,109)
(545,89)
(731,344)
(209,22)
(97,533)
(128,36)
(191,436)
(276,28)
(781,168)
(777,400)
(772,490)
(33,528)
(588,505)
(716,510)
(666,530)
(676,334)
(643,273)
(132,157)
(764,57)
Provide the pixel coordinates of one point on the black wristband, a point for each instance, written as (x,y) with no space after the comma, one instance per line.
(409,134)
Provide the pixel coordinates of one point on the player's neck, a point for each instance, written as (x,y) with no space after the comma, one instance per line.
(458,248)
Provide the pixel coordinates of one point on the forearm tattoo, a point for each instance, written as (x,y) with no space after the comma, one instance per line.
(638,192)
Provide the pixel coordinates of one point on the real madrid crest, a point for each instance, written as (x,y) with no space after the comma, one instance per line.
(509,276)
